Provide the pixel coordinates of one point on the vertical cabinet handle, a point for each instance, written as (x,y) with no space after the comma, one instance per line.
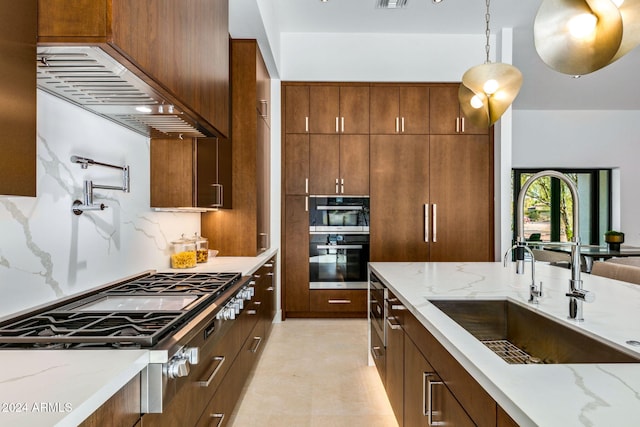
(342,186)
(426,223)
(306,185)
(457,124)
(435,224)
(256,344)
(306,203)
(218,195)
(337,128)
(462,120)
(264,109)
(306,124)
(337,184)
(397,124)
(216,420)
(403,124)
(342,120)
(429,379)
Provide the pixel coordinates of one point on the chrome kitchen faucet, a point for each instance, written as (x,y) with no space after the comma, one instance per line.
(576,294)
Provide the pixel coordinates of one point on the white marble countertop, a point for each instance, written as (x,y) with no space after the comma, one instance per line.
(543,395)
(63,387)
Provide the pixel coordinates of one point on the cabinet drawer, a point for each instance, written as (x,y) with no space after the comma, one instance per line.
(339,300)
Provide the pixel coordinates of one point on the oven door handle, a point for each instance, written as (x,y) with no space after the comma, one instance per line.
(339,246)
(216,369)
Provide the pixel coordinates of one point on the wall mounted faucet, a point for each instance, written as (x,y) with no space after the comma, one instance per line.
(87,203)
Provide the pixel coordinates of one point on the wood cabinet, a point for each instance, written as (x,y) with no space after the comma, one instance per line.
(399,109)
(18,25)
(296,108)
(395,357)
(295,277)
(244,230)
(339,164)
(338,301)
(399,192)
(191,173)
(121,410)
(445,114)
(265,294)
(296,163)
(442,192)
(337,109)
(143,34)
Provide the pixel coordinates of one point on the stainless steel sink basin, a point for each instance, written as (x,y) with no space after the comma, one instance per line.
(519,335)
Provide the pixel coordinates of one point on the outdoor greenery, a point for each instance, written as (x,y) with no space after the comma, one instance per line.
(538,202)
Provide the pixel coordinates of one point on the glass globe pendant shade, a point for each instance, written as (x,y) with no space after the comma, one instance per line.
(577,37)
(487,91)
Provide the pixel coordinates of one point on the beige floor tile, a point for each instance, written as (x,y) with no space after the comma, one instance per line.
(314,372)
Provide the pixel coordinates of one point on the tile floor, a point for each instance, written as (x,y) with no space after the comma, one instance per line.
(313,373)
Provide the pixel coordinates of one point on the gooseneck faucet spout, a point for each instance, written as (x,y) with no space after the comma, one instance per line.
(576,294)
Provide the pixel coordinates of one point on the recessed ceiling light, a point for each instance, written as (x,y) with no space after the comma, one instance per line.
(391,4)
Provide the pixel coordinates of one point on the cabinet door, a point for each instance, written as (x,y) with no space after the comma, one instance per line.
(445,115)
(324,109)
(296,254)
(414,110)
(354,109)
(399,181)
(296,106)
(171,170)
(263,172)
(384,109)
(395,360)
(263,89)
(296,163)
(354,164)
(213,172)
(18,23)
(415,368)
(462,196)
(324,159)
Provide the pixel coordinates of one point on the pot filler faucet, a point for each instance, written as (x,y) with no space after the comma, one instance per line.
(87,204)
(576,294)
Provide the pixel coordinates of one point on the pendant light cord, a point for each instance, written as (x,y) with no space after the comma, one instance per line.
(487,32)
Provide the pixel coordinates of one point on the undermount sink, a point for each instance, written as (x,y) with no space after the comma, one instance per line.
(520,335)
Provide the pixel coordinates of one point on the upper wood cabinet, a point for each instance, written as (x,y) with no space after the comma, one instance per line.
(446,116)
(18,25)
(296,108)
(180,47)
(339,109)
(296,164)
(244,231)
(399,110)
(193,173)
(340,164)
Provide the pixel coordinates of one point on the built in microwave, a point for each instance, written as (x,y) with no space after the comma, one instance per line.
(338,214)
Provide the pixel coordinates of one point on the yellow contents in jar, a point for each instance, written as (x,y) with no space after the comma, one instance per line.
(185,259)
(202,255)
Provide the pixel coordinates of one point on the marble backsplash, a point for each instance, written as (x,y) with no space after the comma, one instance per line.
(47,252)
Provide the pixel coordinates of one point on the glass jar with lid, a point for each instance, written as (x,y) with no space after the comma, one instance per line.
(183,253)
(202,248)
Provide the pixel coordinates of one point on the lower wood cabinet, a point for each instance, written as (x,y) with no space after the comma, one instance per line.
(339,300)
(121,410)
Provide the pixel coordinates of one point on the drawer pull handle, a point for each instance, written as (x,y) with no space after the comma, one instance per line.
(393,324)
(217,419)
(427,397)
(376,352)
(339,301)
(218,361)
(270,265)
(270,288)
(251,312)
(256,344)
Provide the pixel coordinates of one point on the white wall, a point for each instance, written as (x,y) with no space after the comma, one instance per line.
(586,139)
(379,57)
(47,252)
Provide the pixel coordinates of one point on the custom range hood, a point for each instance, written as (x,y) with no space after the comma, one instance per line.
(91,79)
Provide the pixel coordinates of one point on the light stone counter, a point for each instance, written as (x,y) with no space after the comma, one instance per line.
(63,387)
(544,395)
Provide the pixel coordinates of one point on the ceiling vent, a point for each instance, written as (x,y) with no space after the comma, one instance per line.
(391,4)
(95,81)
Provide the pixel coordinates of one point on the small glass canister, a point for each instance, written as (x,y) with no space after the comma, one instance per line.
(184,253)
(202,248)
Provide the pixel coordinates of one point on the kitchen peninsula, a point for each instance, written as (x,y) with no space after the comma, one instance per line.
(543,394)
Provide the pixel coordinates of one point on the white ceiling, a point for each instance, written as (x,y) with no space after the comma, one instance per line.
(612,88)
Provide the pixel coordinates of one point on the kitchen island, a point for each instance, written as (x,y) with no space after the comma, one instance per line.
(543,395)
(64,387)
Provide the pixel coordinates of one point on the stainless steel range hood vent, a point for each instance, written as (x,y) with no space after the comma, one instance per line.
(91,79)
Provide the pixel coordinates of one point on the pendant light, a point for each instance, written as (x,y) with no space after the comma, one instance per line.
(578,37)
(488,90)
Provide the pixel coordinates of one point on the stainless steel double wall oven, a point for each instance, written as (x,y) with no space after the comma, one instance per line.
(338,242)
